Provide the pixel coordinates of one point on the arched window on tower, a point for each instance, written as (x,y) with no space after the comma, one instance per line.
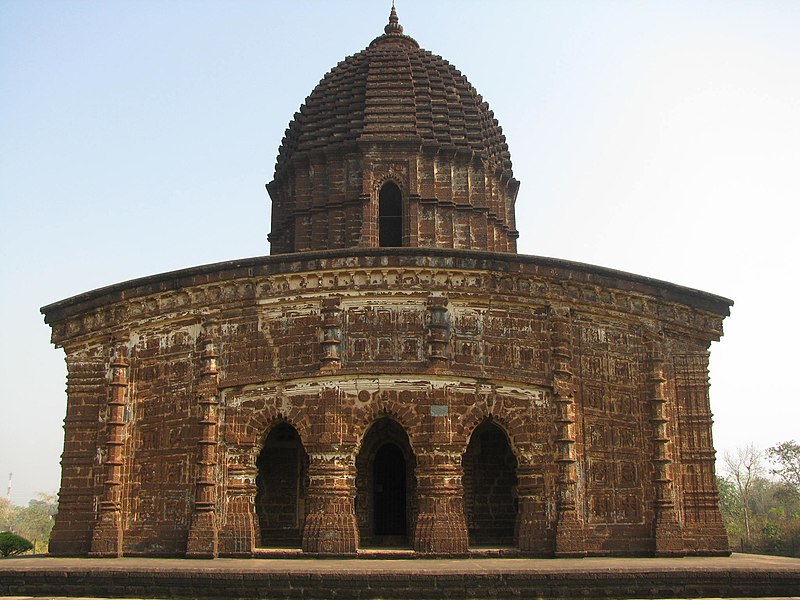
(390,216)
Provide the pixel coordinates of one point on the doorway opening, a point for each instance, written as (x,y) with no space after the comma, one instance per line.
(385,485)
(390,216)
(490,483)
(389,491)
(281,488)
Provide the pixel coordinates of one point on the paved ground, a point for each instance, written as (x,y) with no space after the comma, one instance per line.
(740,575)
(735,562)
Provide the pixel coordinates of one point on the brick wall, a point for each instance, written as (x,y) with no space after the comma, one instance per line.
(457,356)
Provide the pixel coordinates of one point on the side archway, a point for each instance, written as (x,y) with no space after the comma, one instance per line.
(281,488)
(490,482)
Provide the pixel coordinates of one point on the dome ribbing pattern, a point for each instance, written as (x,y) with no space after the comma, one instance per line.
(394,89)
(389,96)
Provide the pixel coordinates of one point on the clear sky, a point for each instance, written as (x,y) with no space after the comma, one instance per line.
(661,138)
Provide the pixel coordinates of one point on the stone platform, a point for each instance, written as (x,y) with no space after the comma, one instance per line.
(737,576)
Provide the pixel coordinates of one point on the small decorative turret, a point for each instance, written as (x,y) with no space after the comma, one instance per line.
(394,27)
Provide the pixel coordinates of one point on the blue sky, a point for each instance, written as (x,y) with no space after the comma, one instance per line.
(659,138)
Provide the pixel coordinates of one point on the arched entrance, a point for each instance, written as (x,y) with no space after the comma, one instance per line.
(490,481)
(385,486)
(281,485)
(390,215)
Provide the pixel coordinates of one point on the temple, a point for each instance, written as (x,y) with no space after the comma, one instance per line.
(394,374)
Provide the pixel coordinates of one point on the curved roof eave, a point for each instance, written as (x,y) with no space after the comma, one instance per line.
(497,262)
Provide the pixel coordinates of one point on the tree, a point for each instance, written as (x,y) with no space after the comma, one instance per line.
(744,468)
(786,456)
(5,514)
(12,544)
(35,521)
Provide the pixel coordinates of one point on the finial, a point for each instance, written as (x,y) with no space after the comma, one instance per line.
(394,27)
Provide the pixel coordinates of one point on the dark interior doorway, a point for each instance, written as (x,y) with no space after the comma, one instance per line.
(385,486)
(281,485)
(490,483)
(389,491)
(390,216)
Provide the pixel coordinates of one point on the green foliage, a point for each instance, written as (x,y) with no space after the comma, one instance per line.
(12,544)
(745,471)
(760,515)
(33,522)
(5,514)
(786,457)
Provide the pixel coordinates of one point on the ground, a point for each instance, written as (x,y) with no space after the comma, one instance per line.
(740,575)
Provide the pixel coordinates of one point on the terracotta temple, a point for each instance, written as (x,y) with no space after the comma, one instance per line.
(394,374)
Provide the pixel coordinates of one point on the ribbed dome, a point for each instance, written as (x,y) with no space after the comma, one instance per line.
(394,147)
(394,90)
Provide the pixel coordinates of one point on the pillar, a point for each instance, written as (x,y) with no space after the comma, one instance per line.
(330,524)
(569,526)
(331,334)
(531,525)
(203,533)
(237,534)
(107,534)
(441,524)
(438,332)
(667,531)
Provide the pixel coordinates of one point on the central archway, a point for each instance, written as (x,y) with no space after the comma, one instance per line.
(385,486)
(389,491)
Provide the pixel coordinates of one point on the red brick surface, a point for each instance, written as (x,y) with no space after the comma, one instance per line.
(393,113)
(596,380)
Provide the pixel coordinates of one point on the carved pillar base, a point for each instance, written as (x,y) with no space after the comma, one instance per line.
(531,525)
(237,537)
(441,532)
(668,536)
(107,536)
(330,525)
(326,533)
(203,537)
(570,539)
(441,525)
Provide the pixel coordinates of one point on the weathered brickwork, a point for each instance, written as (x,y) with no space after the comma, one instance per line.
(430,346)
(394,374)
(80,479)
(393,113)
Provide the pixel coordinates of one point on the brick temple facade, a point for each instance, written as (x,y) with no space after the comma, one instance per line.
(394,374)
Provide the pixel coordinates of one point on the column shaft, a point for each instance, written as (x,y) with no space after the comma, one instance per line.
(203,533)
(107,535)
(330,523)
(569,527)
(667,532)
